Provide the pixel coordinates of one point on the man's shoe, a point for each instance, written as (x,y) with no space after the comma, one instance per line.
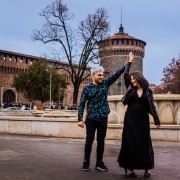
(100,166)
(85,166)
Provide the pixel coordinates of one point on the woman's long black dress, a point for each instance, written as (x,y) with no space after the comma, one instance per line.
(136,148)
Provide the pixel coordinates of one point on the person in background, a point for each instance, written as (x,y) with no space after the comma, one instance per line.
(62,107)
(34,107)
(136,148)
(23,107)
(66,107)
(95,94)
(2,105)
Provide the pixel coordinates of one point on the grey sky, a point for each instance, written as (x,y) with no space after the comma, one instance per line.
(157,22)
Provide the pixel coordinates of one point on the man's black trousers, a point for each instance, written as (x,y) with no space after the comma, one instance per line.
(91,126)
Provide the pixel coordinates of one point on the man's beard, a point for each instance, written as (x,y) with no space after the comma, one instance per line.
(98,81)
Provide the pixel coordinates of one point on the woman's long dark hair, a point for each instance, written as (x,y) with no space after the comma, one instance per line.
(140,79)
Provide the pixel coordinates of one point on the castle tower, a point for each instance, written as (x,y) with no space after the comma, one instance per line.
(113,53)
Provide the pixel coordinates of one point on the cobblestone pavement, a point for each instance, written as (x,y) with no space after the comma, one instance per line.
(47,158)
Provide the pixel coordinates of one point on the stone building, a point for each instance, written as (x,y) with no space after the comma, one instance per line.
(113,53)
(11,63)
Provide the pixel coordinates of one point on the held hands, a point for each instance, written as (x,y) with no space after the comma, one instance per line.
(81,124)
(131,57)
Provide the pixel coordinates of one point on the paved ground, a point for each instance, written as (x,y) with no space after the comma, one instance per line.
(47,158)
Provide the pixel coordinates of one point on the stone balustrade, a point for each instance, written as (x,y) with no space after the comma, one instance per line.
(65,126)
(167,105)
(68,128)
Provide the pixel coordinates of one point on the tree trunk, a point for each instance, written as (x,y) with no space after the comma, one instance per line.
(75,93)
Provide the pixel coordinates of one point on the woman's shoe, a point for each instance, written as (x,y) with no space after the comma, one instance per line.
(130,173)
(147,173)
(125,171)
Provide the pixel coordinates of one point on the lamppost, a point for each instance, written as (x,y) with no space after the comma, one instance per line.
(121,84)
(50,69)
(50,83)
(50,79)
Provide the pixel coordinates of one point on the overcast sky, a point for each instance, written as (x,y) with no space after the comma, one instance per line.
(157,22)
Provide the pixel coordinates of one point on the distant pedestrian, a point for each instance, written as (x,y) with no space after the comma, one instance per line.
(23,107)
(62,107)
(2,105)
(34,107)
(66,107)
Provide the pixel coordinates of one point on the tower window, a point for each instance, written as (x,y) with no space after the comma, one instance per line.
(26,60)
(31,61)
(10,58)
(21,60)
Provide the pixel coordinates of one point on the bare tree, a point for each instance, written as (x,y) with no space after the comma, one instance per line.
(172,76)
(77,46)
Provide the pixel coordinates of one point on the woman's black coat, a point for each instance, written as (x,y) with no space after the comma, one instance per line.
(149,93)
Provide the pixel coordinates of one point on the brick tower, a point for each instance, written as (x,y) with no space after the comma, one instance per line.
(113,53)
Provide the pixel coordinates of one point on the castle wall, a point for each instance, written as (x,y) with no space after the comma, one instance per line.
(12,63)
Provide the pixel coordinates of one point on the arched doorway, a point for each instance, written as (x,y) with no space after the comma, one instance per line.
(9,96)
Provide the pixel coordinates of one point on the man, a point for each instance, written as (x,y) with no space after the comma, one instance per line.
(97,113)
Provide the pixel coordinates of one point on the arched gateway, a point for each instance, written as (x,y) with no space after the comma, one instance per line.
(9,96)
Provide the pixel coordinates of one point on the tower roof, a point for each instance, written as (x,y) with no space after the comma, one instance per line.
(122,35)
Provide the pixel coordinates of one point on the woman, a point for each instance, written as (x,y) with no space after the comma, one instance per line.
(136,148)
